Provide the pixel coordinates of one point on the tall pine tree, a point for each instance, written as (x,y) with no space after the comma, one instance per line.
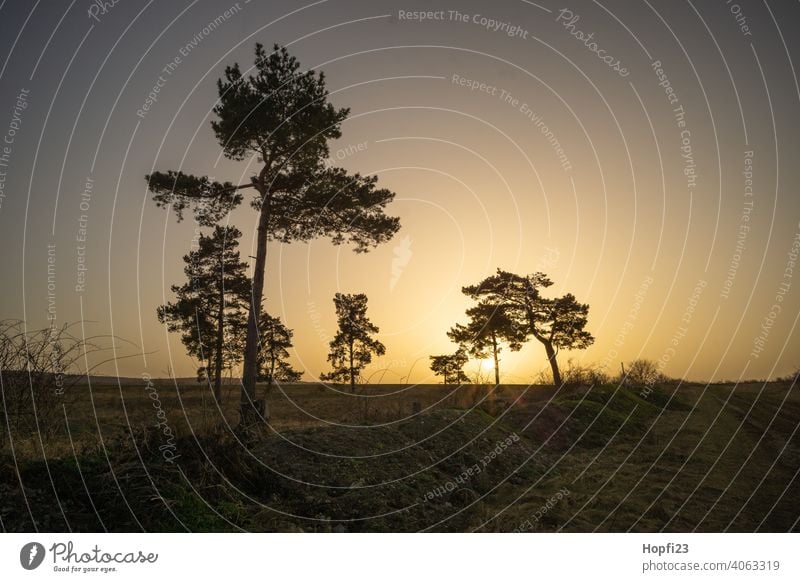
(280,120)
(353,345)
(210,309)
(275,339)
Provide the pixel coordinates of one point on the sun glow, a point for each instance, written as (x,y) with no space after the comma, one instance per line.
(486,363)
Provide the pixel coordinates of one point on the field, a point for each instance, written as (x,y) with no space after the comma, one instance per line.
(683,457)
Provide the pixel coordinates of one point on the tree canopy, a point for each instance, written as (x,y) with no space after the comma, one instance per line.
(557,323)
(450,366)
(275,339)
(489,325)
(280,115)
(211,306)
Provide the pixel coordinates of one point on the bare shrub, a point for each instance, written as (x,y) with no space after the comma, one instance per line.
(792,378)
(576,374)
(37,368)
(643,372)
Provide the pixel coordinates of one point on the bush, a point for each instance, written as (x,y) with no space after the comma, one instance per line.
(643,373)
(792,378)
(36,369)
(576,374)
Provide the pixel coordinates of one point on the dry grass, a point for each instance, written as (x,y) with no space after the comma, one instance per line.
(106,410)
(680,458)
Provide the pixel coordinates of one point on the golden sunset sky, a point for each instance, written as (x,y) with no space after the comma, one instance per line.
(666,197)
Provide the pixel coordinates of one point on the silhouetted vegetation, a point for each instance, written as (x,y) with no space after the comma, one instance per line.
(642,373)
(556,323)
(353,345)
(275,339)
(577,374)
(791,378)
(280,117)
(211,306)
(38,367)
(451,367)
(489,324)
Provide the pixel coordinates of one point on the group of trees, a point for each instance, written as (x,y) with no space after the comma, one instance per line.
(278,118)
(510,310)
(210,312)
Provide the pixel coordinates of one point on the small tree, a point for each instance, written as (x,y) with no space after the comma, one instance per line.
(450,366)
(275,339)
(557,323)
(280,118)
(488,326)
(353,345)
(210,310)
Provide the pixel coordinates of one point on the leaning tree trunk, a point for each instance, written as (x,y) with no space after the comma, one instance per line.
(551,357)
(250,409)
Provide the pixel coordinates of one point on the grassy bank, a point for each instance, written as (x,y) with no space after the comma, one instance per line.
(682,458)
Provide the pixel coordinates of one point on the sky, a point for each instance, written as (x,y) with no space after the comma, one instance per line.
(641,154)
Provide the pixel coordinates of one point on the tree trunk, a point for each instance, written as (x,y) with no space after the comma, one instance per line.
(220,342)
(271,379)
(551,357)
(496,361)
(249,408)
(352,372)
